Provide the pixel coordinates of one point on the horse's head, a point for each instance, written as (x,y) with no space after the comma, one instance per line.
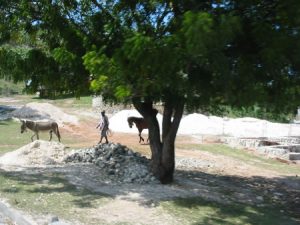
(23,126)
(130,123)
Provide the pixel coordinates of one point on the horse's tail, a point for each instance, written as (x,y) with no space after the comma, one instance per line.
(58,134)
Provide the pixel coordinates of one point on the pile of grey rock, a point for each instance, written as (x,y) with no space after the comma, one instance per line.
(5,112)
(117,162)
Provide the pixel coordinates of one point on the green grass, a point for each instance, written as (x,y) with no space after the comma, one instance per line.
(49,193)
(199,211)
(65,102)
(70,102)
(12,139)
(245,157)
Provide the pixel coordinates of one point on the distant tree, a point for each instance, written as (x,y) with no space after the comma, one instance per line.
(54,48)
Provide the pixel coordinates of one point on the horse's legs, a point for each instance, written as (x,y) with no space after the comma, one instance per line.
(50,132)
(37,136)
(140,135)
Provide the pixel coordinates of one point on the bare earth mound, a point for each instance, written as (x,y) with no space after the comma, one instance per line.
(37,153)
(41,111)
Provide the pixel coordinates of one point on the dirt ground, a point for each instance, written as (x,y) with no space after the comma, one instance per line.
(220,164)
(225,174)
(217,175)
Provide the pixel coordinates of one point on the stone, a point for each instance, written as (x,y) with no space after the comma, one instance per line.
(117,162)
(54,219)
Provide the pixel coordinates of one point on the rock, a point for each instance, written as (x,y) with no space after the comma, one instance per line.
(259,198)
(54,219)
(118,163)
(49,161)
(111,172)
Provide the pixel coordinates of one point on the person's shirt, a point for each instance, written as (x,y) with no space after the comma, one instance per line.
(103,122)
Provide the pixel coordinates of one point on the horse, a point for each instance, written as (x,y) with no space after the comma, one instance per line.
(140,124)
(37,126)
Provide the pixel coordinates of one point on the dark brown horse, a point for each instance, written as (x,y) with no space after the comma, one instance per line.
(140,124)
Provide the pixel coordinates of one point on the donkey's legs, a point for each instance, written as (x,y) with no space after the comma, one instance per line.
(35,134)
(55,132)
(50,132)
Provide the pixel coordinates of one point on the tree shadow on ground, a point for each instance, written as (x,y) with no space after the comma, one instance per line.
(228,196)
(205,212)
(260,200)
(46,183)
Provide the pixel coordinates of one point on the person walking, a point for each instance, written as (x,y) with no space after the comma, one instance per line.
(103,127)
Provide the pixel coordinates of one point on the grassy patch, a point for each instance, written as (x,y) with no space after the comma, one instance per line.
(69,102)
(12,139)
(64,102)
(49,193)
(199,211)
(245,157)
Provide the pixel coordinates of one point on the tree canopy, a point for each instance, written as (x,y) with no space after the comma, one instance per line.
(185,54)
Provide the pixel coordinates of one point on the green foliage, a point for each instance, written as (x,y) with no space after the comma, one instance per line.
(63,56)
(261,113)
(100,83)
(197,32)
(7,87)
(237,53)
(122,92)
(12,62)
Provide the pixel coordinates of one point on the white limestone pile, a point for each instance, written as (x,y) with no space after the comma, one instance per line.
(37,153)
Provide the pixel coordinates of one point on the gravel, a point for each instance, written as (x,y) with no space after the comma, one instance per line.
(118,163)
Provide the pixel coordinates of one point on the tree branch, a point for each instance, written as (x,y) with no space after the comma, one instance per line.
(96,3)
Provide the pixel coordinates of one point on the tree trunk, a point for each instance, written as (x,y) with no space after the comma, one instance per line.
(163,151)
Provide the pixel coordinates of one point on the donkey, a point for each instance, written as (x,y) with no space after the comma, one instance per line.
(36,127)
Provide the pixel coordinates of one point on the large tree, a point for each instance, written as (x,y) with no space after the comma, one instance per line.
(193,54)
(198,54)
